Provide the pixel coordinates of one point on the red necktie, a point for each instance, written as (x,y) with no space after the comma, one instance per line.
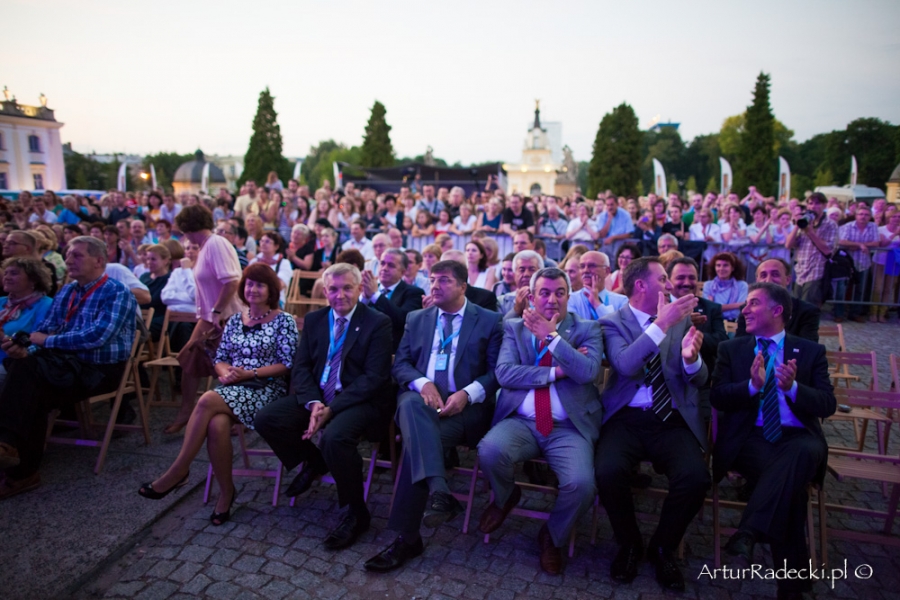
(543,418)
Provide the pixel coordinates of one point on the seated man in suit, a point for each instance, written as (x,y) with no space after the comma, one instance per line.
(525,264)
(548,405)
(445,368)
(651,412)
(389,294)
(593,301)
(707,317)
(476,295)
(772,388)
(343,362)
(803,320)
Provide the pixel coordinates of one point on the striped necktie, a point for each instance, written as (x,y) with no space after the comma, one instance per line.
(331,384)
(770,410)
(662,399)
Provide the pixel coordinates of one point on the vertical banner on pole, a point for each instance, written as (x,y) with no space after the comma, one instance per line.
(338,176)
(784,179)
(727,178)
(659,179)
(153,177)
(854,171)
(204,178)
(120,180)
(297,170)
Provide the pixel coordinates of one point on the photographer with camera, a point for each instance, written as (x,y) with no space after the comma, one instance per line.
(814,238)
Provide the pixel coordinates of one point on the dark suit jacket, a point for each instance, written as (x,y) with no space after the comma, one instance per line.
(365,358)
(739,410)
(713,330)
(405,299)
(481,297)
(478,345)
(804,321)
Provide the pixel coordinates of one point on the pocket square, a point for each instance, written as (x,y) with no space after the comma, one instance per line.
(796,350)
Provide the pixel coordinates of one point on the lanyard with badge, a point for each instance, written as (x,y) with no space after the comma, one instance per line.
(538,355)
(333,348)
(73,307)
(443,357)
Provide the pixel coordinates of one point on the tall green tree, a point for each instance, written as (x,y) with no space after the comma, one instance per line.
(616,160)
(872,142)
(756,158)
(667,147)
(311,164)
(377,150)
(264,152)
(85,173)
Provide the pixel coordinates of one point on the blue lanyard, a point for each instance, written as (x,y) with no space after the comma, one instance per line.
(538,355)
(442,348)
(387,292)
(770,364)
(590,306)
(333,348)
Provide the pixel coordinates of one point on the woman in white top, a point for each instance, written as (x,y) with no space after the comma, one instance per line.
(781,229)
(885,282)
(705,230)
(477,262)
(271,252)
(465,222)
(734,230)
(580,228)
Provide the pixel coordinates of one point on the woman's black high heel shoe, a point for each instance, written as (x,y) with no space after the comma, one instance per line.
(223,517)
(147,490)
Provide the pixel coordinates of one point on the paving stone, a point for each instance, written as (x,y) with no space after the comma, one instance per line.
(185,572)
(127,589)
(162,569)
(220,573)
(252,580)
(196,585)
(249,564)
(207,539)
(223,590)
(158,590)
(276,590)
(197,554)
(224,557)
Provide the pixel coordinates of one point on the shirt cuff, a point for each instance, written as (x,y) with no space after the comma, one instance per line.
(753,390)
(309,404)
(552,347)
(375,297)
(655,333)
(693,367)
(49,342)
(792,393)
(552,377)
(418,384)
(476,392)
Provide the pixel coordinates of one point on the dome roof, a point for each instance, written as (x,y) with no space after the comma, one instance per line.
(895,176)
(192,171)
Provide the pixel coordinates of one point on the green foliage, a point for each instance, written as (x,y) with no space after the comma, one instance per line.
(672,186)
(264,152)
(823,177)
(756,150)
(872,142)
(582,180)
(701,158)
(615,163)
(377,150)
(311,164)
(691,184)
(712,185)
(667,147)
(324,169)
(800,184)
(85,173)
(165,163)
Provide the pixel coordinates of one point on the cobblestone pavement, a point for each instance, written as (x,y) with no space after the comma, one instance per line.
(87,536)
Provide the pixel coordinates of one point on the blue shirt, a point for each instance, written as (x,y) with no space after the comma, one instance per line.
(30,317)
(621,223)
(610,302)
(67,217)
(101,329)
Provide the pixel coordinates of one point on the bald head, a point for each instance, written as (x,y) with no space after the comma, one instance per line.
(594,268)
(457,255)
(774,271)
(380,243)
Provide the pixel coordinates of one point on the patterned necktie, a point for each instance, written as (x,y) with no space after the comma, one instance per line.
(770,410)
(442,378)
(543,417)
(662,399)
(331,384)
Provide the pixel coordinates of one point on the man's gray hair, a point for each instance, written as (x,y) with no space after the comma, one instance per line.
(552,273)
(301,228)
(528,255)
(95,248)
(342,269)
(400,254)
(667,236)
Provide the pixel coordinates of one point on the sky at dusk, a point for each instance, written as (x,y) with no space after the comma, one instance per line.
(462,77)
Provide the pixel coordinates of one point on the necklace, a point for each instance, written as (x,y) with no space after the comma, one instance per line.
(251,318)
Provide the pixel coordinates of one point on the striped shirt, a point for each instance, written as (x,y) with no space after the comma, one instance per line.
(101,330)
(811,262)
(851,233)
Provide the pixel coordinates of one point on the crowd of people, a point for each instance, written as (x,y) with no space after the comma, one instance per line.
(502,354)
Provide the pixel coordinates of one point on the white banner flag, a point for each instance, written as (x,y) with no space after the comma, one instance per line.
(338,176)
(854,171)
(120,180)
(152,177)
(727,178)
(297,170)
(659,179)
(784,179)
(204,178)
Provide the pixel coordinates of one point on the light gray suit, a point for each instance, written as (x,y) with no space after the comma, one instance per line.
(569,448)
(630,435)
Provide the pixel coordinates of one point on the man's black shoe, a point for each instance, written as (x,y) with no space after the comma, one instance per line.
(350,528)
(624,567)
(741,546)
(442,507)
(667,572)
(303,480)
(395,555)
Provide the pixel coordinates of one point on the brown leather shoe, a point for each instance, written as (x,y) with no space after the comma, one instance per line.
(551,556)
(9,456)
(10,487)
(493,515)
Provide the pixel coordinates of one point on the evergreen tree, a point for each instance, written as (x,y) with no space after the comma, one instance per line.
(264,153)
(616,160)
(376,149)
(756,151)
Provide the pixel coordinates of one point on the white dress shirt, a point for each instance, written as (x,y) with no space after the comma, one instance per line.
(378,292)
(337,387)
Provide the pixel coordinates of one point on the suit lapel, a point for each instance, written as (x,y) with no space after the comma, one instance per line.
(630,322)
(470,317)
(566,328)
(353,328)
(321,338)
(427,337)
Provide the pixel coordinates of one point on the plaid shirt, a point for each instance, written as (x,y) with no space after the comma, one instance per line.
(851,233)
(810,262)
(102,329)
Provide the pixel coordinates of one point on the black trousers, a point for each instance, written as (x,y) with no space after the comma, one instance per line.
(27,400)
(633,435)
(283,422)
(776,511)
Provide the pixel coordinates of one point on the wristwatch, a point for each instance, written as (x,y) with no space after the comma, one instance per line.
(550,337)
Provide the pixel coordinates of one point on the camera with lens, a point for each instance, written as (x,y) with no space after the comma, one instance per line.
(805,219)
(21,339)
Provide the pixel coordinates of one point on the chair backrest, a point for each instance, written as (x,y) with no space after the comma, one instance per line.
(867,398)
(172,316)
(836,330)
(840,360)
(730,327)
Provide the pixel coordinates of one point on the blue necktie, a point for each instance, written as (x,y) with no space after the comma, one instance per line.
(442,378)
(770,410)
(331,384)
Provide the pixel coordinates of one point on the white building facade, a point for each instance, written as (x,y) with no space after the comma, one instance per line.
(31,152)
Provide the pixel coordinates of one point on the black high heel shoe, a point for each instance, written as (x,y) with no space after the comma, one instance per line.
(223,517)
(147,490)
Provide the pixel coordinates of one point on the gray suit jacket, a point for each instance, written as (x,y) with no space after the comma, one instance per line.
(578,393)
(629,350)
